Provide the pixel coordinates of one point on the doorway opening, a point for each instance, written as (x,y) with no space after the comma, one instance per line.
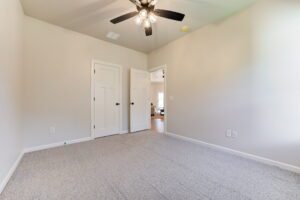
(158,99)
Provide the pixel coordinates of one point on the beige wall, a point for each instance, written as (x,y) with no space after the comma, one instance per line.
(240,74)
(11,23)
(57,81)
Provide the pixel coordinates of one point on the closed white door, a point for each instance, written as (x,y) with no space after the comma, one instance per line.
(140,109)
(107,95)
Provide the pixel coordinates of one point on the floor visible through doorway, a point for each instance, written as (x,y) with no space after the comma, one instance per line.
(158,123)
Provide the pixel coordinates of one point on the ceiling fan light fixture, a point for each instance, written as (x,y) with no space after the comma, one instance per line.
(147,23)
(152,18)
(146,14)
(138,20)
(143,13)
(153,2)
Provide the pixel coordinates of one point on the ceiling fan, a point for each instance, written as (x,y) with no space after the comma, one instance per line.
(146,14)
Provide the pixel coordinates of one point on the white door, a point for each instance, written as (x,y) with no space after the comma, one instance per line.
(107,96)
(140,109)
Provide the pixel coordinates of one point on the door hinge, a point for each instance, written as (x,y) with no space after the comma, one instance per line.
(94,98)
(94,126)
(94,71)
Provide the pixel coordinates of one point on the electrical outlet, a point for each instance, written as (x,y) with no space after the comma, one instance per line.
(231,134)
(234,134)
(228,133)
(52,130)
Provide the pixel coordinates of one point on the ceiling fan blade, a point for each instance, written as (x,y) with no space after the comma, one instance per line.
(148,31)
(133,1)
(169,14)
(124,17)
(136,2)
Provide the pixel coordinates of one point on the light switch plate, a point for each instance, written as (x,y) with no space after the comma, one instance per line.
(228,133)
(52,130)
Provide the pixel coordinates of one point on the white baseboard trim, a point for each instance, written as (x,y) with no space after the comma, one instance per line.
(58,144)
(38,148)
(124,132)
(263,160)
(11,172)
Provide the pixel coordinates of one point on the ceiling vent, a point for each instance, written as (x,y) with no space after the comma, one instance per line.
(112,35)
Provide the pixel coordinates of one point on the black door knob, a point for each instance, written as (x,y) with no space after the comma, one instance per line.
(132,103)
(117,104)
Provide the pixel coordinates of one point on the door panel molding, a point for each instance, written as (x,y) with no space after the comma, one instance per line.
(93,63)
(140,110)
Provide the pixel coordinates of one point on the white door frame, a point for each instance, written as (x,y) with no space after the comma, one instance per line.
(93,94)
(164,67)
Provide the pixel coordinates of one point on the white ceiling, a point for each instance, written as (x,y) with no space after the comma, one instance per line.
(92,17)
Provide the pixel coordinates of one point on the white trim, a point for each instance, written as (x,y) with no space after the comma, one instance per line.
(93,94)
(11,172)
(165,68)
(263,160)
(37,148)
(92,97)
(124,132)
(57,144)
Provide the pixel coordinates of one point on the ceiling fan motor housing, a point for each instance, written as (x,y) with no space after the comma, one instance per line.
(146,10)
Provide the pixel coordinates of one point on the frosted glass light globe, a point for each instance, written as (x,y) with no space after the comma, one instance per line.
(138,20)
(147,23)
(143,13)
(152,18)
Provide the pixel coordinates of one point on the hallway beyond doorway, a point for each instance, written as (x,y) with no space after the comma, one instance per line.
(157,78)
(158,124)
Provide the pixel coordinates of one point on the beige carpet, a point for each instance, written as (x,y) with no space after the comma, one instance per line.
(146,166)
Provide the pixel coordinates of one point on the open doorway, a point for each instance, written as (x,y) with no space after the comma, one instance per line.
(158,96)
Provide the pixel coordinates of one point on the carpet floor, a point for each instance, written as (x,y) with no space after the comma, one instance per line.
(146,166)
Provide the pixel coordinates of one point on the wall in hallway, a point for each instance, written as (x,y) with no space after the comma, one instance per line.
(155,89)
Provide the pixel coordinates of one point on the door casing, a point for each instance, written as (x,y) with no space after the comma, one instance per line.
(164,67)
